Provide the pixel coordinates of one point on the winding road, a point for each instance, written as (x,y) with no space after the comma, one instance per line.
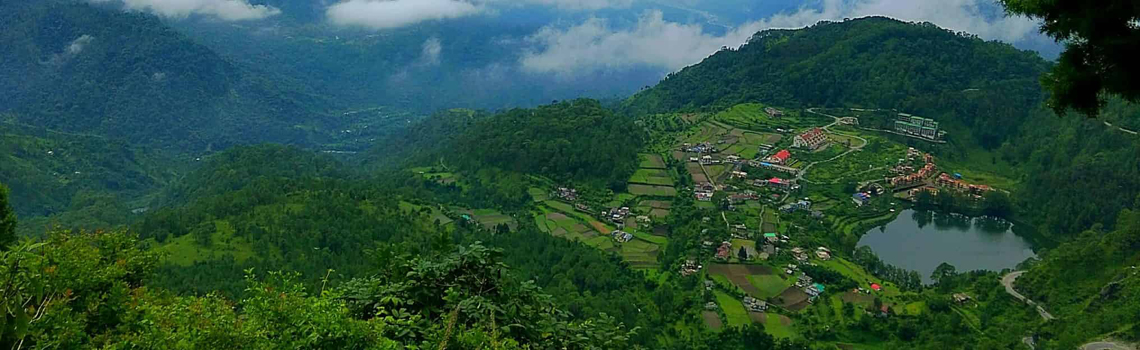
(1126,131)
(1008,280)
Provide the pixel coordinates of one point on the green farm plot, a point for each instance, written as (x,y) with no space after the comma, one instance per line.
(538,194)
(751,116)
(859,275)
(769,285)
(651,161)
(708,132)
(733,309)
(620,199)
(716,170)
(651,177)
(648,190)
(779,326)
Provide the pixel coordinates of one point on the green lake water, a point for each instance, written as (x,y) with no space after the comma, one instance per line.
(921,240)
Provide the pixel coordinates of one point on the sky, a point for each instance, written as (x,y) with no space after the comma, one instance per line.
(590,36)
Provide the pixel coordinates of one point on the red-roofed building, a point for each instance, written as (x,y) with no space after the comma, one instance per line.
(812,139)
(876,287)
(781,184)
(780,157)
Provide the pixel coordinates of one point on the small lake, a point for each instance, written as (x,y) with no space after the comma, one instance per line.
(921,240)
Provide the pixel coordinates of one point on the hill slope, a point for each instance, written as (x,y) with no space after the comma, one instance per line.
(78,67)
(871,62)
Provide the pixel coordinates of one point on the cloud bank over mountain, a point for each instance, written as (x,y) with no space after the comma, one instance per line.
(654,41)
(227,10)
(384,14)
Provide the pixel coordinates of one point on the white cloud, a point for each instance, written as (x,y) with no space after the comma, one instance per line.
(383,14)
(654,42)
(229,10)
(78,44)
(71,50)
(430,52)
(569,4)
(981,17)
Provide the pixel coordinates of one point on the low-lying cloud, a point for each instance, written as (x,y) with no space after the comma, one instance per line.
(654,42)
(72,50)
(383,14)
(429,55)
(228,10)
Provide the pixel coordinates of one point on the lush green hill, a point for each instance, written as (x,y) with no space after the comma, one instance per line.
(1093,283)
(579,141)
(78,180)
(78,67)
(873,62)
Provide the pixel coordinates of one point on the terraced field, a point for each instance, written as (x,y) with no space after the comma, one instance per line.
(655,191)
(645,176)
(651,161)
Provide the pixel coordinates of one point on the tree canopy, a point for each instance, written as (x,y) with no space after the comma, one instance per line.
(1102,41)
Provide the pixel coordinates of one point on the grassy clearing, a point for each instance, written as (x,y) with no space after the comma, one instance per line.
(185,251)
(733,309)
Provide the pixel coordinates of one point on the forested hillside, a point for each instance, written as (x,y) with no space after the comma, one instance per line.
(1093,279)
(873,62)
(78,67)
(575,141)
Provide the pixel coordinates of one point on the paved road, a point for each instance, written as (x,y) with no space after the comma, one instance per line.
(1121,129)
(1106,345)
(1008,280)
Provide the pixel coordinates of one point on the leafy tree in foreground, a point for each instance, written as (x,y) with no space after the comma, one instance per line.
(1102,41)
(7,220)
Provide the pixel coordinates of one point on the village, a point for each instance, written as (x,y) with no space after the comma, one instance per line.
(758,173)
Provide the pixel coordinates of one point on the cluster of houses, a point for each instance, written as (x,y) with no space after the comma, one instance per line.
(754,305)
(802,204)
(945,180)
(704,191)
(690,267)
(801,254)
(618,215)
(812,139)
(927,170)
(566,194)
(621,236)
(703,147)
